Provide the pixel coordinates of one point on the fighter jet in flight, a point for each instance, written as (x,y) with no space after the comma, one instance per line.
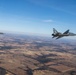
(1,33)
(60,35)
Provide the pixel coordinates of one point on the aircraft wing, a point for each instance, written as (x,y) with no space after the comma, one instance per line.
(59,37)
(66,32)
(55,31)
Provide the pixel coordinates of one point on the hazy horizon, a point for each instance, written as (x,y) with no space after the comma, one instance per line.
(37,17)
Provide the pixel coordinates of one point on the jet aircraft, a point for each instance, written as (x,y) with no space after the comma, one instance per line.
(60,35)
(1,33)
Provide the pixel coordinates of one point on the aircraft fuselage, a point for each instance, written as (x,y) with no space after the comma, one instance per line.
(55,35)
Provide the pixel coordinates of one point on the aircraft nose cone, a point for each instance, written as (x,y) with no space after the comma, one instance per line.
(52,34)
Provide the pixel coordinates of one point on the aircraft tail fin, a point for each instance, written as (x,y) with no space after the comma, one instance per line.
(66,32)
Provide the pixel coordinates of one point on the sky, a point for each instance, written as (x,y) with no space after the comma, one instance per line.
(37,16)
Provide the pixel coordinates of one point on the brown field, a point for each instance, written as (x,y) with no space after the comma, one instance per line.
(29,55)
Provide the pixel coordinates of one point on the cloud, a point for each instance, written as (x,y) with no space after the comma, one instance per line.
(48,21)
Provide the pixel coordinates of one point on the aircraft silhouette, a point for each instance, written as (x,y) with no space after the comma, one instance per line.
(1,33)
(60,35)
